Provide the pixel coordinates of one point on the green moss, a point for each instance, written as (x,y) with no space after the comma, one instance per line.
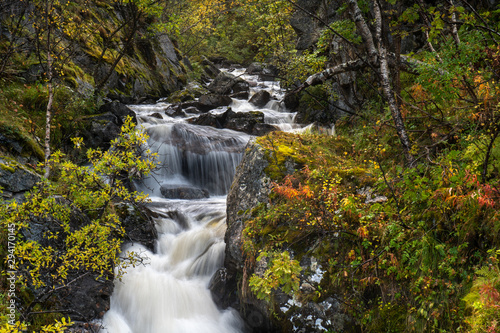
(7,167)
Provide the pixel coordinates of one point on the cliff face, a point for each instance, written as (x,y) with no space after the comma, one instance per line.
(116,49)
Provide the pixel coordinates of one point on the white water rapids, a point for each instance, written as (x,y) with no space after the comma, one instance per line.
(169,293)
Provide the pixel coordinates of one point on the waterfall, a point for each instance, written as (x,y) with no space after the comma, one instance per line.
(168,291)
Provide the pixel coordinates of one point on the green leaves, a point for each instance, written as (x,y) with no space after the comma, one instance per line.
(282,273)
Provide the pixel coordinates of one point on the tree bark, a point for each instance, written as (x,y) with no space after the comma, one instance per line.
(48,113)
(388,91)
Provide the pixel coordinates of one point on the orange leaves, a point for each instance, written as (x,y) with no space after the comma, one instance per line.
(287,190)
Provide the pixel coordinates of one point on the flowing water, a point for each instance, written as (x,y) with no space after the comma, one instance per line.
(169,292)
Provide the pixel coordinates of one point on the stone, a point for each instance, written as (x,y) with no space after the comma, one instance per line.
(260,98)
(240,95)
(156,115)
(118,109)
(255,68)
(15,177)
(175,110)
(213,101)
(226,83)
(183,192)
(210,69)
(243,121)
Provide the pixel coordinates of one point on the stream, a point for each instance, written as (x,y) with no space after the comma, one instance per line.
(169,293)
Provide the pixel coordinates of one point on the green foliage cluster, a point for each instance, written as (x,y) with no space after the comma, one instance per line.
(81,232)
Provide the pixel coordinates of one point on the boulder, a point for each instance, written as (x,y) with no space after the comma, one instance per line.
(226,83)
(156,115)
(101,130)
(255,68)
(270,73)
(252,187)
(240,95)
(260,98)
(189,93)
(192,109)
(183,192)
(248,122)
(15,178)
(118,109)
(243,121)
(266,72)
(209,119)
(213,101)
(209,68)
(175,110)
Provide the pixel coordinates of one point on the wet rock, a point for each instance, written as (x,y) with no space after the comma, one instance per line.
(183,192)
(189,93)
(226,83)
(260,98)
(240,95)
(269,73)
(266,72)
(156,115)
(192,109)
(213,101)
(209,119)
(291,101)
(248,122)
(263,129)
(243,121)
(175,110)
(138,224)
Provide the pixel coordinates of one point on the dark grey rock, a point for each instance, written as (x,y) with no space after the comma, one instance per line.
(240,95)
(183,192)
(120,110)
(192,109)
(243,121)
(260,98)
(209,67)
(227,83)
(156,115)
(16,178)
(175,110)
(213,101)
(255,68)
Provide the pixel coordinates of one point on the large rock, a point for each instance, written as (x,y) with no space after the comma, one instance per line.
(226,83)
(183,192)
(260,98)
(118,109)
(213,101)
(100,130)
(266,72)
(243,121)
(15,178)
(252,187)
(248,122)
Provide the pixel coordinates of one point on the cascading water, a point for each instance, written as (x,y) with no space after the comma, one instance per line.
(169,292)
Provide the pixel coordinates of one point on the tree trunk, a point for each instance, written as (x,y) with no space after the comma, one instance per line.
(48,114)
(388,91)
